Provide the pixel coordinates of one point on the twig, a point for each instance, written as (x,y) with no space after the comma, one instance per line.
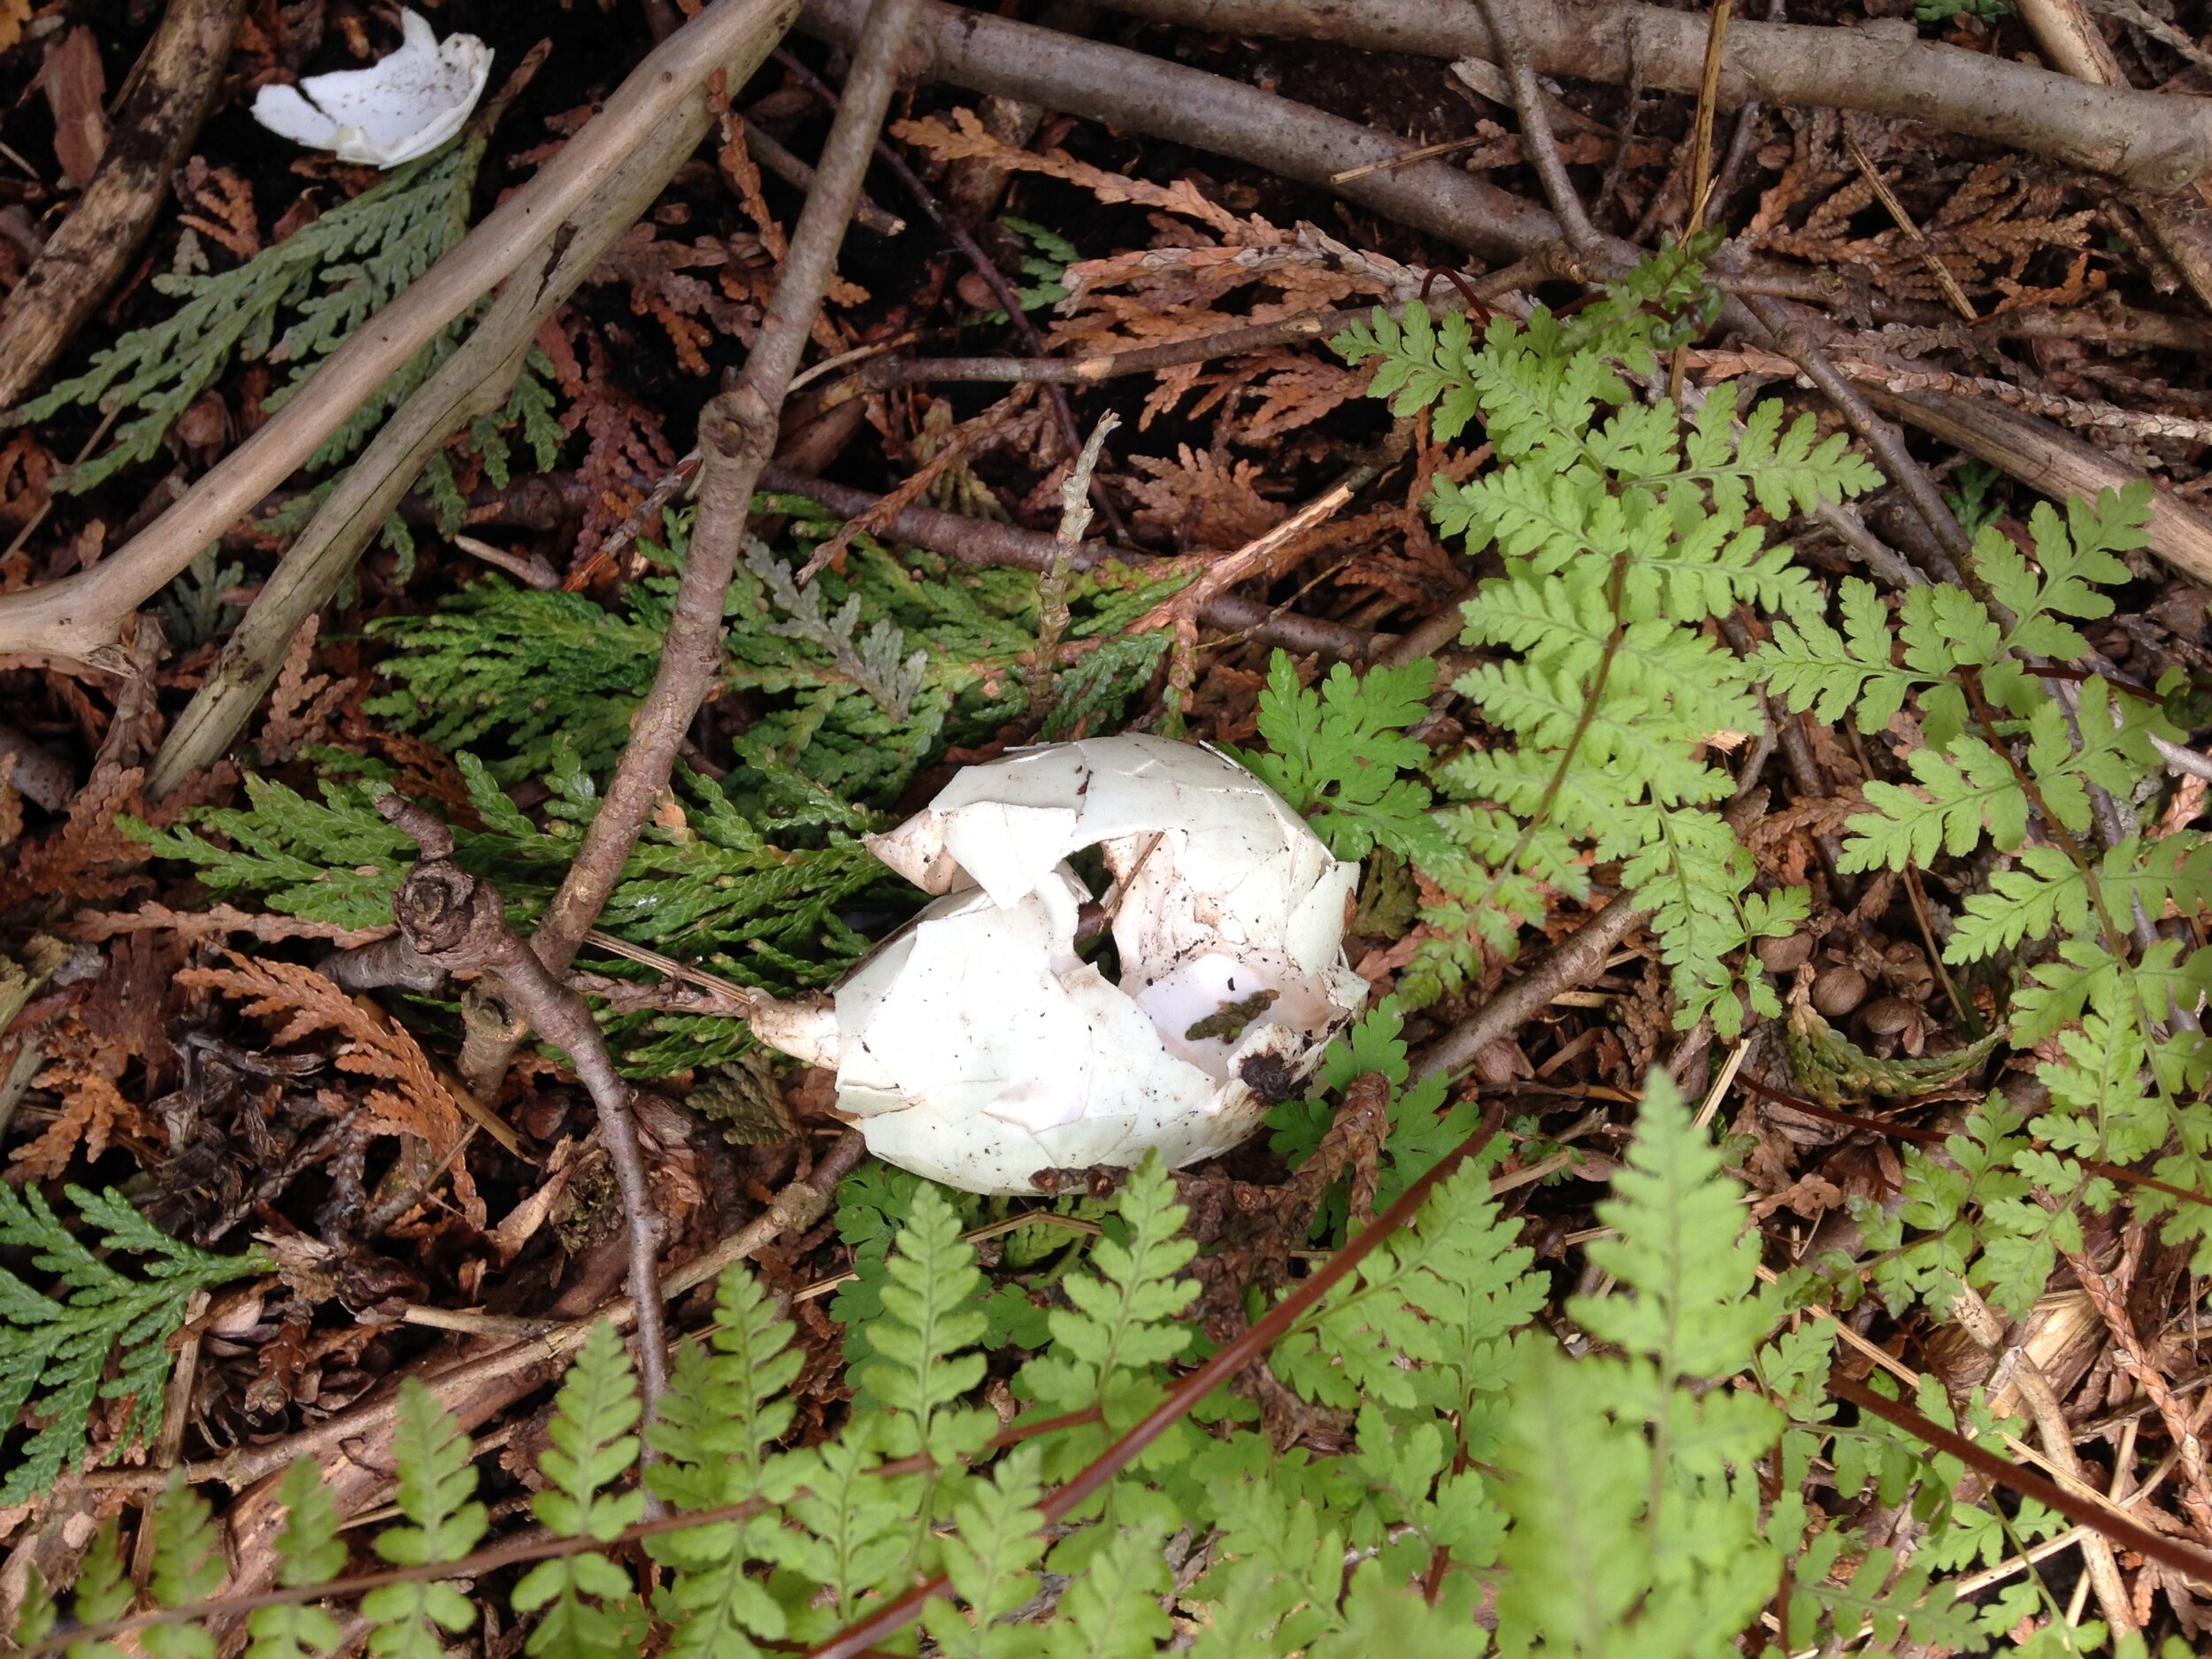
(2138,137)
(983,430)
(76,618)
(1573,961)
(1701,161)
(737,432)
(1937,269)
(2054,463)
(765,149)
(2092,1511)
(459,923)
(1540,149)
(1708,104)
(1227,571)
(984,266)
(175,85)
(2133,1361)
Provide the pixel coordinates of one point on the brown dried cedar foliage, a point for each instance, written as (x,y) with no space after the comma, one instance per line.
(300,1004)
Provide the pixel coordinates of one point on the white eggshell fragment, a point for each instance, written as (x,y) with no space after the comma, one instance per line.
(404,105)
(976,1047)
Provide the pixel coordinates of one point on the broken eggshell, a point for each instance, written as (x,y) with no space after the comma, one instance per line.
(404,105)
(976,1047)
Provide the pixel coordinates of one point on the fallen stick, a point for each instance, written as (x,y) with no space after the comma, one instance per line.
(176,84)
(2153,141)
(2053,463)
(74,620)
(1575,960)
(474,380)
(1149,94)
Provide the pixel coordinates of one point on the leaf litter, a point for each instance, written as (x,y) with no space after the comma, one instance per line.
(249,1096)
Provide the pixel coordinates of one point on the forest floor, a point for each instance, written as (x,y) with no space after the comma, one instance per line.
(195,887)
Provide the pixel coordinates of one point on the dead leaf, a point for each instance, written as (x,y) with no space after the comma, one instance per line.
(13,15)
(76,87)
(82,1070)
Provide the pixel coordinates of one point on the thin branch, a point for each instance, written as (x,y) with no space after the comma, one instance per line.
(2141,137)
(457,923)
(737,433)
(2186,1559)
(1132,91)
(2054,463)
(1888,444)
(1539,147)
(1575,960)
(765,149)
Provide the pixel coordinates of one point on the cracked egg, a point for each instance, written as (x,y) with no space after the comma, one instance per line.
(977,1046)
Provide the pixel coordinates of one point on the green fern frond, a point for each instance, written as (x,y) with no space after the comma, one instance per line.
(309,1552)
(103,1591)
(443,1523)
(924,1362)
(990,1560)
(188,1567)
(1120,1325)
(589,1608)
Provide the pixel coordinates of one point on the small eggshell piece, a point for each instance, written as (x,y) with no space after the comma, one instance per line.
(404,105)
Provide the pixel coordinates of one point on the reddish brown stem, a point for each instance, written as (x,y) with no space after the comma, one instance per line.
(2183,1558)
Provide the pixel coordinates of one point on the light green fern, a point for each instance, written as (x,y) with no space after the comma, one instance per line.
(1623,531)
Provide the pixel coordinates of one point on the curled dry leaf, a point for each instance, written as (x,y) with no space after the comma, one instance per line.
(976,1047)
(404,105)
